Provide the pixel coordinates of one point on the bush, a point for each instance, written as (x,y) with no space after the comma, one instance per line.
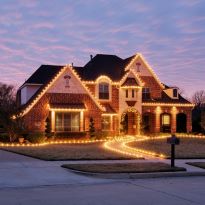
(102,134)
(67,135)
(36,137)
(4,137)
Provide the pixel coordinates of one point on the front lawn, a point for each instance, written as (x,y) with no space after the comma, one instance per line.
(92,151)
(141,167)
(189,148)
(197,164)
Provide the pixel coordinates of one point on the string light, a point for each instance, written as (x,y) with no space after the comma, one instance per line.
(168,104)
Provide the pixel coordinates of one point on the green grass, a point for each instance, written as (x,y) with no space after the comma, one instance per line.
(188,148)
(142,167)
(94,151)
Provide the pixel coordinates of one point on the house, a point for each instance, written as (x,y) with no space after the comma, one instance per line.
(119,94)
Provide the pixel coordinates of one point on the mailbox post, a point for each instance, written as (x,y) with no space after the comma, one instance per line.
(173,140)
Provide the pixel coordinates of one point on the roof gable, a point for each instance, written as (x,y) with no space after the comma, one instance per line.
(144,68)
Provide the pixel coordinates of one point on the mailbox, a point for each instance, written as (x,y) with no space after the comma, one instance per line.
(173,140)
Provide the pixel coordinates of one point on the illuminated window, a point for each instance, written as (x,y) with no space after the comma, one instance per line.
(103,91)
(145,93)
(106,122)
(68,121)
(166,119)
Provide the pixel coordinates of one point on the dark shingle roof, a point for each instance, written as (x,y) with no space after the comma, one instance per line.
(130,82)
(44,74)
(102,64)
(67,105)
(166,99)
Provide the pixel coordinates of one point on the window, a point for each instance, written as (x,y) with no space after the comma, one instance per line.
(67,122)
(133,93)
(165,120)
(126,94)
(175,93)
(106,122)
(145,93)
(103,91)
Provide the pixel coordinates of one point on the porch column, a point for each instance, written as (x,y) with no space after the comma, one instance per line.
(52,121)
(189,122)
(173,119)
(157,119)
(81,121)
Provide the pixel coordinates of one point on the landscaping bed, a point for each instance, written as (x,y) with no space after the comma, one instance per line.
(141,167)
(197,164)
(92,151)
(189,148)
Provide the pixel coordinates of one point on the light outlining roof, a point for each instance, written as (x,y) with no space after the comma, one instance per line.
(88,91)
(139,55)
(103,77)
(135,75)
(30,106)
(168,104)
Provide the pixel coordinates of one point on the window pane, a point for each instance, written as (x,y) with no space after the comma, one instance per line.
(67,121)
(133,93)
(103,91)
(59,122)
(126,93)
(106,121)
(75,122)
(175,93)
(165,120)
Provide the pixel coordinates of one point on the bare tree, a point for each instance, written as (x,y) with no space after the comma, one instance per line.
(13,126)
(199,98)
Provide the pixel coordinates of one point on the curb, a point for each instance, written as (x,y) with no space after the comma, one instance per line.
(138,175)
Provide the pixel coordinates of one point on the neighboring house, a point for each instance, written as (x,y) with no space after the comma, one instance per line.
(117,93)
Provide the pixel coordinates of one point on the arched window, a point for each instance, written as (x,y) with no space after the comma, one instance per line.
(103,91)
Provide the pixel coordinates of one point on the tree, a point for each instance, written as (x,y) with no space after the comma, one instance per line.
(199,98)
(92,127)
(10,118)
(198,120)
(48,126)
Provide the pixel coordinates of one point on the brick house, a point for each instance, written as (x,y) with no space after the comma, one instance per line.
(119,94)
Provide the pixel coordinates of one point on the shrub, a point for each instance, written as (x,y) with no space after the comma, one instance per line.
(4,137)
(92,127)
(102,134)
(67,135)
(36,137)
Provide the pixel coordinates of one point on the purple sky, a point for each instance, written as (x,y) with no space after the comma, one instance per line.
(170,35)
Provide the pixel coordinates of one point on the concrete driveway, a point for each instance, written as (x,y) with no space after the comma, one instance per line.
(24,180)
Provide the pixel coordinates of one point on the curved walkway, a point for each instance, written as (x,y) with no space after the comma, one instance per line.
(120,145)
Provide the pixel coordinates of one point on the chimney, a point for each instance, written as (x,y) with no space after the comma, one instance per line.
(91,57)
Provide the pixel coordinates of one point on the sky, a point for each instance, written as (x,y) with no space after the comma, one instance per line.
(169,34)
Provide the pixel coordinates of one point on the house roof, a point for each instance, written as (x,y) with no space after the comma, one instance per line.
(108,108)
(103,64)
(166,99)
(130,82)
(67,106)
(43,74)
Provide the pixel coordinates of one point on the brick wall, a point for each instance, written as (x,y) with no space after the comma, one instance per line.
(35,119)
(150,82)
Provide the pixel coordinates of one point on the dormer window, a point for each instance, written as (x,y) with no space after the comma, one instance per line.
(175,93)
(104,91)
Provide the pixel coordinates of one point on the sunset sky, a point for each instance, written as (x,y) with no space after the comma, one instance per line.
(170,35)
